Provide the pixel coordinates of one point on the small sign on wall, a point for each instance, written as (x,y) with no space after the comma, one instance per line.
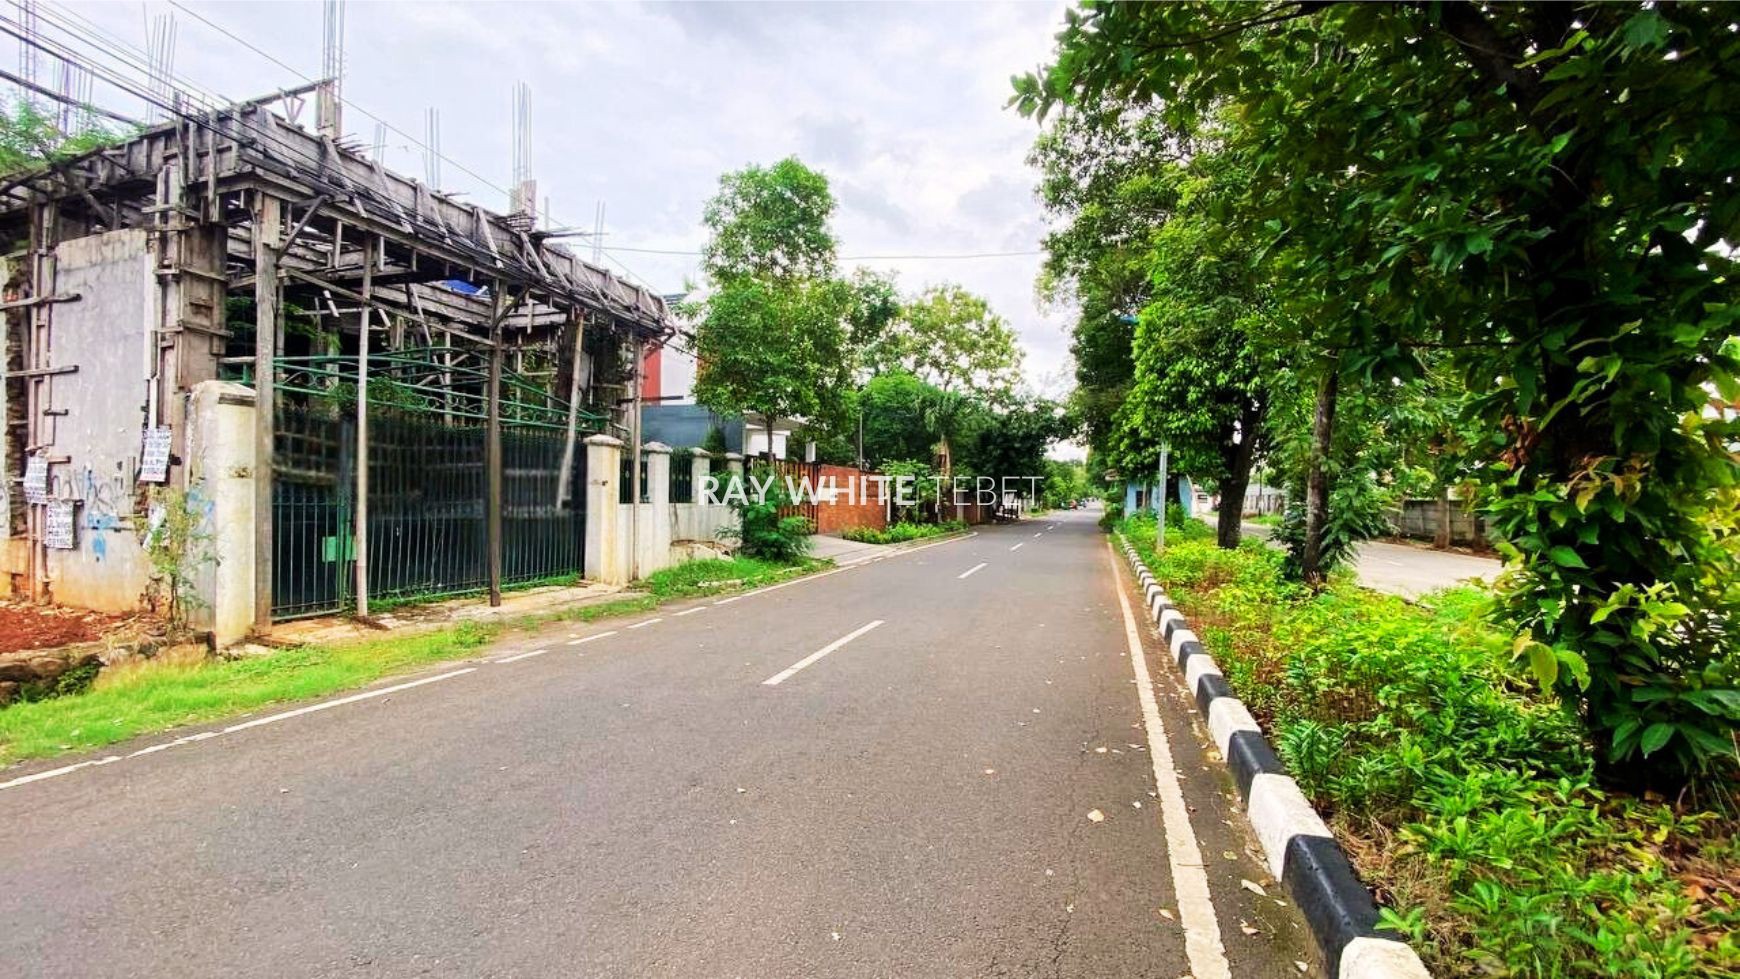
(59,534)
(36,480)
(154,461)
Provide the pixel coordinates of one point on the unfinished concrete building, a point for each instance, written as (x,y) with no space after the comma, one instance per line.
(238,247)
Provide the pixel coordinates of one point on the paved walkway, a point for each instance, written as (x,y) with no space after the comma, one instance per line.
(1408,570)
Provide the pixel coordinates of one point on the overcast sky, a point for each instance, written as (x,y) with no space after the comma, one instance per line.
(643,107)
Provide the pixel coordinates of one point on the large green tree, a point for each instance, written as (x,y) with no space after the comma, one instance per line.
(953,340)
(1546,193)
(778,329)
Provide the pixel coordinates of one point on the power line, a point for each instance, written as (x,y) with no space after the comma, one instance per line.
(849,258)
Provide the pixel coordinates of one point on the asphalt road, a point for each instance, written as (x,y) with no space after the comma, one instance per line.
(642,801)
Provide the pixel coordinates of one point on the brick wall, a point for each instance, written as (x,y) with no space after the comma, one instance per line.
(846,511)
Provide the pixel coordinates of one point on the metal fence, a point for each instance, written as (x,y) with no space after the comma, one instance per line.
(427,526)
(682,476)
(624,484)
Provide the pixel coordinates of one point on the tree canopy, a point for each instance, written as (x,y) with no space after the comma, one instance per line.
(1543,194)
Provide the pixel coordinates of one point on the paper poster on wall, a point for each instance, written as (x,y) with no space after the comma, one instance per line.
(36,480)
(154,461)
(59,534)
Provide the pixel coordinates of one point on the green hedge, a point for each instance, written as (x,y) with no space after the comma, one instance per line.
(899,533)
(1466,797)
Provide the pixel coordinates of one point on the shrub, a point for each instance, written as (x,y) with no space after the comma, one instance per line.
(1465,796)
(901,532)
(760,531)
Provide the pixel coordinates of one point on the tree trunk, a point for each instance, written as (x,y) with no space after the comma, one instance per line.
(1317,478)
(1240,459)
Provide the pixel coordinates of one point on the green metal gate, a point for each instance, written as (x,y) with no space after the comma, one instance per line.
(427,526)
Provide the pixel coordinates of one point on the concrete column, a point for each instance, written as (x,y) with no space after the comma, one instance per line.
(700,467)
(606,524)
(655,525)
(220,484)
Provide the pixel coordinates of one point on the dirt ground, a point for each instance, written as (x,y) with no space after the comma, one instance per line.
(25,626)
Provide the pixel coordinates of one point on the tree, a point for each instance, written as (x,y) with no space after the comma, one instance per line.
(1545,192)
(952,339)
(30,139)
(770,224)
(1206,364)
(774,333)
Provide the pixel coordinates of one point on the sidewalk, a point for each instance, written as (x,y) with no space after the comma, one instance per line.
(1407,570)
(844,552)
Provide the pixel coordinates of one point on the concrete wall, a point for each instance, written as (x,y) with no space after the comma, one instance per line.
(220,481)
(1420,519)
(107,335)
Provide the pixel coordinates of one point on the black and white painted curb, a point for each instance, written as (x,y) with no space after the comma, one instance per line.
(1301,852)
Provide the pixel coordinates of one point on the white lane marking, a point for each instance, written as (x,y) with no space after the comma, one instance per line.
(1202,945)
(1041,532)
(57,772)
(970,570)
(1017,547)
(519,656)
(644,624)
(692,611)
(586,639)
(785,674)
(353,698)
(728,601)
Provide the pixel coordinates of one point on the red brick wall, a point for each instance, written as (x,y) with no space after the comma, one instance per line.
(856,503)
(972,513)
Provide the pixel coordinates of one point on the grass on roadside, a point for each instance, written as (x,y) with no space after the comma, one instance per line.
(147,697)
(143,698)
(900,533)
(1466,798)
(709,576)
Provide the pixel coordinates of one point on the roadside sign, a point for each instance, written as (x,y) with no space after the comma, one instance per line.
(154,461)
(36,480)
(59,533)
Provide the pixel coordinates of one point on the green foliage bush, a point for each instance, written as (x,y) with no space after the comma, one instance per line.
(1114,513)
(1466,796)
(760,531)
(901,532)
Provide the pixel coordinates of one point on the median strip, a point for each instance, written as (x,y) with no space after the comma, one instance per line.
(788,672)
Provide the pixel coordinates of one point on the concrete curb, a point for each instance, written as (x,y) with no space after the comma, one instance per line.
(1301,852)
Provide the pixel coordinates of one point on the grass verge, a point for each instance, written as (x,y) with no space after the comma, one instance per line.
(151,696)
(1466,798)
(143,698)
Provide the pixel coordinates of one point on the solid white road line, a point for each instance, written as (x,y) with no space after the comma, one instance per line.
(353,698)
(785,674)
(586,639)
(1202,945)
(645,623)
(970,570)
(1017,547)
(692,611)
(519,656)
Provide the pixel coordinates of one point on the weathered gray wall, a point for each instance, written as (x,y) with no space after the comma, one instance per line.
(106,335)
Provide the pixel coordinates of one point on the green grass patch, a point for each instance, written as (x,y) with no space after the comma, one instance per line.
(143,698)
(711,576)
(140,699)
(900,533)
(1466,797)
(1265,519)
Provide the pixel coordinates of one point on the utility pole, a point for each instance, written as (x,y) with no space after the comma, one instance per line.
(634,471)
(1161,497)
(362,429)
(492,446)
(268,226)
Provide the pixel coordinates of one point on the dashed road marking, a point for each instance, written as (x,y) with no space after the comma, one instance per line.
(692,611)
(786,674)
(1017,547)
(519,656)
(646,622)
(969,571)
(594,636)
